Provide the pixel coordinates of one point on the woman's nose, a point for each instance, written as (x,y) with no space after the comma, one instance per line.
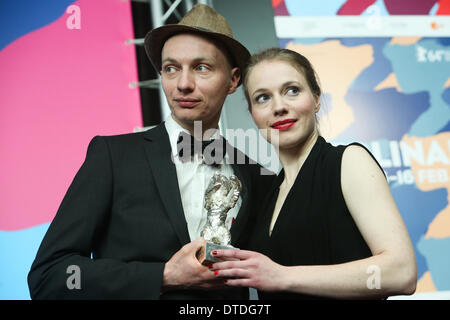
(279,107)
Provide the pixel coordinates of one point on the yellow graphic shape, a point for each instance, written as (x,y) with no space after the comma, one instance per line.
(337,67)
(389,82)
(425,283)
(404,41)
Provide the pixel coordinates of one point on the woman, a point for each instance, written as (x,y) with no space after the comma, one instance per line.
(331,228)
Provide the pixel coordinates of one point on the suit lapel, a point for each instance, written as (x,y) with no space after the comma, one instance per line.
(158,152)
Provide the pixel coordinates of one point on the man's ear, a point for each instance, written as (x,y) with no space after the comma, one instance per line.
(234,81)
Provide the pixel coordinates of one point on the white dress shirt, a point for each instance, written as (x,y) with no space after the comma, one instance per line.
(193,179)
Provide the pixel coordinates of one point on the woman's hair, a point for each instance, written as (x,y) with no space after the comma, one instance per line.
(295,59)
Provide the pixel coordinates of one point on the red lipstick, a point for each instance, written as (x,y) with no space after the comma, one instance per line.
(283,124)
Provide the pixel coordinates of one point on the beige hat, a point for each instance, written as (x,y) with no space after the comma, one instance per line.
(203,20)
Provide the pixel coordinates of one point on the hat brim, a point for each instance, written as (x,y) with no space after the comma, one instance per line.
(155,39)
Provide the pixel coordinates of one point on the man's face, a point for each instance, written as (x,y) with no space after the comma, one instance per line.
(196,78)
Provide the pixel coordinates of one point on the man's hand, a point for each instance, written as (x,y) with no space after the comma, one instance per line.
(184,271)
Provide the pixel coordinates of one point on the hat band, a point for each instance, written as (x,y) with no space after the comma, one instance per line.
(203,29)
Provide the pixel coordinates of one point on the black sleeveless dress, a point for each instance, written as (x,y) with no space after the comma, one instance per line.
(314,226)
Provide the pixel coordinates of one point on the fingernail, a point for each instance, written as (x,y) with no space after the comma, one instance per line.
(216,273)
(210,266)
(214,252)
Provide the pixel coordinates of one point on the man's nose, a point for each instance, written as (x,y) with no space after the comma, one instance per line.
(186,81)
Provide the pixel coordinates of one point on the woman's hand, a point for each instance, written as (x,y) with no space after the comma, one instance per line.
(253,270)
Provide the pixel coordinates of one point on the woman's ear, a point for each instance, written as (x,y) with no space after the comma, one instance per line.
(317,103)
(234,81)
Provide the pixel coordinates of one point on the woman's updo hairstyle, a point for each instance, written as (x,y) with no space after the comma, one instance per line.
(295,59)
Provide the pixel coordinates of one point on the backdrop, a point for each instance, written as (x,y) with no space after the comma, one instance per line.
(384,67)
(65,74)
(65,70)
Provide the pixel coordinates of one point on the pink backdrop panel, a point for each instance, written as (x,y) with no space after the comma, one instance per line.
(59,88)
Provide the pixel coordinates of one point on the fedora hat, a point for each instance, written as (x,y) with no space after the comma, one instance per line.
(203,20)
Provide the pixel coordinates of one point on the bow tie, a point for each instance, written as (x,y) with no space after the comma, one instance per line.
(212,151)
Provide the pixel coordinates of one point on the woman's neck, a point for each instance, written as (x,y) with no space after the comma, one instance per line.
(292,159)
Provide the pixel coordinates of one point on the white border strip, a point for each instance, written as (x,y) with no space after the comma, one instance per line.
(362,26)
(437,295)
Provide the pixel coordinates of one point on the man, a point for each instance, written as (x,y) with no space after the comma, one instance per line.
(131,219)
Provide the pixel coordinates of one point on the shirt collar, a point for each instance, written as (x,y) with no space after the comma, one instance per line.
(174,129)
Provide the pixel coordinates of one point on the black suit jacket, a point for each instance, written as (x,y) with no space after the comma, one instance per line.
(122,219)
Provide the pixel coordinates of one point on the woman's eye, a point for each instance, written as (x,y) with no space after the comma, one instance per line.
(262,98)
(292,91)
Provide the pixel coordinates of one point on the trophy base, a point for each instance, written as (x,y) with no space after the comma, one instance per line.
(204,254)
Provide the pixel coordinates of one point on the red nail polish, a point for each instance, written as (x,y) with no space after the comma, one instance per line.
(214,252)
(216,273)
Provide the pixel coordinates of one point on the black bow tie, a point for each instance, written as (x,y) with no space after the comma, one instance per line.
(212,151)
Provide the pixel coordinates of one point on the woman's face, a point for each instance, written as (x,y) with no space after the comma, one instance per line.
(282,104)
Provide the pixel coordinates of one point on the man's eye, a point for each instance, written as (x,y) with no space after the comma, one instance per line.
(202,68)
(169,69)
